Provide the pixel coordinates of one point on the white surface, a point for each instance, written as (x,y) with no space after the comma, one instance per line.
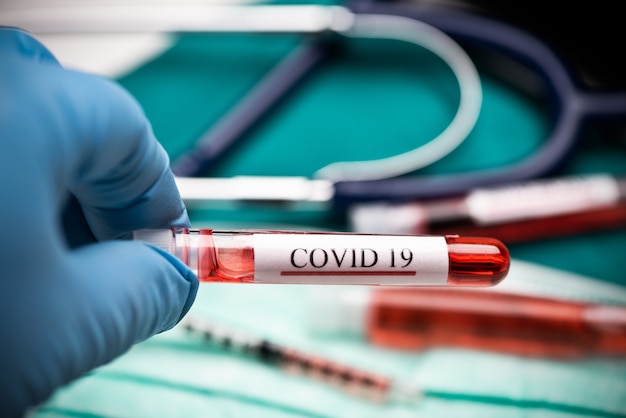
(109,55)
(337,311)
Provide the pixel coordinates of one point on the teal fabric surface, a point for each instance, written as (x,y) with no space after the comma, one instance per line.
(372,100)
(176,374)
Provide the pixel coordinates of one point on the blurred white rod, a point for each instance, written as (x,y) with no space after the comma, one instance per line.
(132,19)
(254,189)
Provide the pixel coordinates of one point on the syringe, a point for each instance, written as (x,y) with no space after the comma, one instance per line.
(371,386)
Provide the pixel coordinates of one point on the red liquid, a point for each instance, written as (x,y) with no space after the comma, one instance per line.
(477,261)
(414,319)
(225,264)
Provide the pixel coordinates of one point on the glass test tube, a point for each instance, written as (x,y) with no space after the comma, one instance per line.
(515,213)
(493,320)
(334,258)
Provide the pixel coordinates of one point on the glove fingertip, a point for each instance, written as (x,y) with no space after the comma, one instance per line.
(187,274)
(26,45)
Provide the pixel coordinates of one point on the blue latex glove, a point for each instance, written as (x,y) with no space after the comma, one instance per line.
(68,309)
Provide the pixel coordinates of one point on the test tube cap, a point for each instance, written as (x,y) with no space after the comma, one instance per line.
(161,238)
(338,310)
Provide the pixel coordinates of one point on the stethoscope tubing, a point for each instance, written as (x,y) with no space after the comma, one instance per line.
(572,107)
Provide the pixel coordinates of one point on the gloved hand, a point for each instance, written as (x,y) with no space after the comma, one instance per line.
(66,309)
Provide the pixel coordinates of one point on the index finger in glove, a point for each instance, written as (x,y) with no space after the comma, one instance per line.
(98,143)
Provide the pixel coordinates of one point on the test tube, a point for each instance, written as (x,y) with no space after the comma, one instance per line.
(334,258)
(484,319)
(514,213)
(354,381)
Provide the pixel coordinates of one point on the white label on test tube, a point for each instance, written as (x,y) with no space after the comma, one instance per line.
(542,199)
(350,259)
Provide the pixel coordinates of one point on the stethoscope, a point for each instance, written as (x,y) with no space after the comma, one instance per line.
(343,184)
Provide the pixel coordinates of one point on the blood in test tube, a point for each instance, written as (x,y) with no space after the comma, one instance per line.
(335,258)
(478,261)
(484,319)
